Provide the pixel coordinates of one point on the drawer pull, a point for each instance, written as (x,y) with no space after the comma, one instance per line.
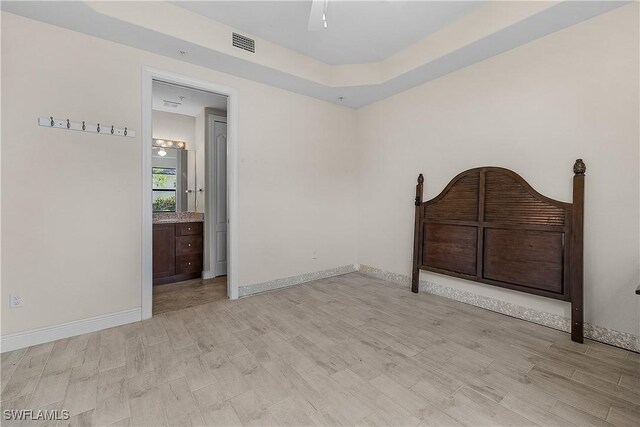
(189,244)
(189,263)
(189,228)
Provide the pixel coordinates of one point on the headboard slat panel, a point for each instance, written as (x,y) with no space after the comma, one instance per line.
(450,247)
(460,202)
(506,200)
(532,258)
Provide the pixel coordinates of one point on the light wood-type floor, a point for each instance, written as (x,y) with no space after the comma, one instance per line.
(190,293)
(350,350)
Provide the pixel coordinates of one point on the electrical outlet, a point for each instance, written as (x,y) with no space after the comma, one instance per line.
(15,301)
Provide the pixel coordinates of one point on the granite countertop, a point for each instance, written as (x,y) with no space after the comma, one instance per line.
(175,217)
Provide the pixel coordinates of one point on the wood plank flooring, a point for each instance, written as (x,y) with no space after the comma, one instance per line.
(190,293)
(349,350)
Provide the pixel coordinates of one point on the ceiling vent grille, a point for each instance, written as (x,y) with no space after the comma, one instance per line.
(244,43)
(171,104)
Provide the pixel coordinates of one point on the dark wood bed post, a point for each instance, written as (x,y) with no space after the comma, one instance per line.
(415,272)
(577,268)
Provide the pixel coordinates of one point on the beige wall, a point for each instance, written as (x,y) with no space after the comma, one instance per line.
(71,255)
(535,110)
(177,127)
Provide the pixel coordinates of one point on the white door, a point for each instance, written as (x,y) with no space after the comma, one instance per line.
(220,197)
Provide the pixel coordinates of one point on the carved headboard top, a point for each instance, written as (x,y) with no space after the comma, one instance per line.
(494,194)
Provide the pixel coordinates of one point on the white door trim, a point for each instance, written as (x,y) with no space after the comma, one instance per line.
(148,75)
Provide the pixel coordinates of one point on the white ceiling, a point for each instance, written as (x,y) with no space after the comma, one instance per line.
(78,16)
(358,31)
(193,102)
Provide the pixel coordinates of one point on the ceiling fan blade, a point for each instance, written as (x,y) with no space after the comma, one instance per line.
(318,8)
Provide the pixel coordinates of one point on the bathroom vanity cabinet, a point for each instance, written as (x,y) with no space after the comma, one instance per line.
(177,252)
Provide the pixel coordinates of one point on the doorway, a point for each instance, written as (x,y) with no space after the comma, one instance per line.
(189,214)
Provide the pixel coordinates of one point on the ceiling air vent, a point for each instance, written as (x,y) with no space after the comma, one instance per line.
(244,43)
(171,104)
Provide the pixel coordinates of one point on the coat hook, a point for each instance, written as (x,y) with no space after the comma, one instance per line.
(112,130)
(52,122)
(125,131)
(68,124)
(83,126)
(98,128)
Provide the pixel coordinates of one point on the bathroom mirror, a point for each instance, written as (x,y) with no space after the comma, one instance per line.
(174,180)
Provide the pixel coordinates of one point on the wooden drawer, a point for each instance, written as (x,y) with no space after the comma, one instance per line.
(189,264)
(189,229)
(188,245)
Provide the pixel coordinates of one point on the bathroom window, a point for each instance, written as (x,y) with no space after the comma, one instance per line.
(164,189)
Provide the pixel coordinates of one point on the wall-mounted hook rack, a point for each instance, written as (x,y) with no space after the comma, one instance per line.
(83,126)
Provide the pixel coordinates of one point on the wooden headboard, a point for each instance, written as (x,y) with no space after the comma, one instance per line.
(490,226)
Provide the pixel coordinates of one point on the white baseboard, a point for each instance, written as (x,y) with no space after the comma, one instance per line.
(207,275)
(65,330)
(295,280)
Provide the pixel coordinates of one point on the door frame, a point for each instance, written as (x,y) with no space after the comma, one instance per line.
(211,194)
(233,270)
